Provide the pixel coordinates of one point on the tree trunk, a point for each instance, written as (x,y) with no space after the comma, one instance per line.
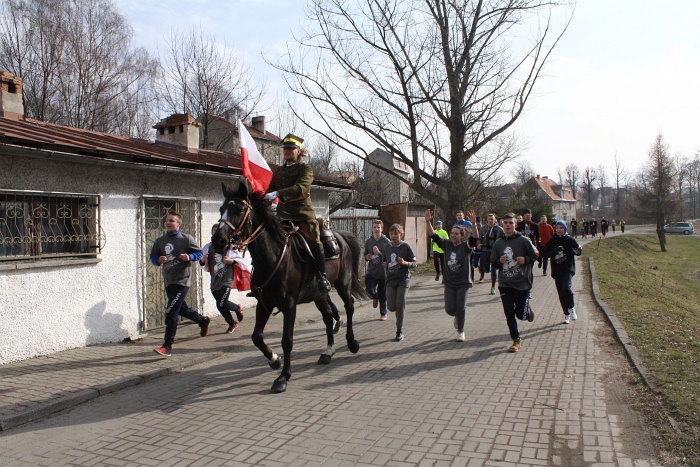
(661,233)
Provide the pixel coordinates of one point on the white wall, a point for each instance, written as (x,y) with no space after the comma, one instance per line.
(47,309)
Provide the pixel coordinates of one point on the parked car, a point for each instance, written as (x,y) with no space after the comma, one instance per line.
(686,228)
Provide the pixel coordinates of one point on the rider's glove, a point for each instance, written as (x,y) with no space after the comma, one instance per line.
(271,196)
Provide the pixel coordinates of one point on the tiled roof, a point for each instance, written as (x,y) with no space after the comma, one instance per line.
(34,134)
(554,190)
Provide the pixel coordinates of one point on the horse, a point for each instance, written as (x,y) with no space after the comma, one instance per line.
(283,273)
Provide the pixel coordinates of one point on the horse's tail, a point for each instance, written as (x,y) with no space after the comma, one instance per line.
(357,289)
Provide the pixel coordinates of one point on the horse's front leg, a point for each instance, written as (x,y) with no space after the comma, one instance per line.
(329,321)
(290,314)
(262,315)
(349,303)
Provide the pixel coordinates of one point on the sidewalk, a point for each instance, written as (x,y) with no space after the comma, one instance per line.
(36,388)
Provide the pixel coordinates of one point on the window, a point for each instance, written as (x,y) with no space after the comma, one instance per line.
(37,225)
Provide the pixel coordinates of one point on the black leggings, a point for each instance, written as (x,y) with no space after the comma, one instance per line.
(437,261)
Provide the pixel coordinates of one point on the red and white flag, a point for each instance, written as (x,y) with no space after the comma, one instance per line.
(255,168)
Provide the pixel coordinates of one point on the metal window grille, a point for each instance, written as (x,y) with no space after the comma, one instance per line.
(39,225)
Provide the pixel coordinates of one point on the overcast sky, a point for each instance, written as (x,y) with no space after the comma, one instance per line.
(624,71)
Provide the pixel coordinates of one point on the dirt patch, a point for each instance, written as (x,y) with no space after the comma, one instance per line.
(692,275)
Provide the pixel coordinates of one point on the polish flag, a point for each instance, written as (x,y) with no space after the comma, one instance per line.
(255,168)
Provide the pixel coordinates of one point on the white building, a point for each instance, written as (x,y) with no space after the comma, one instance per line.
(79,211)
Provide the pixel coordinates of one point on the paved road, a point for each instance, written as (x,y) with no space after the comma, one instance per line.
(426,400)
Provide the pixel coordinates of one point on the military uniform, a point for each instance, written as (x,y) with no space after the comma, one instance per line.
(291,183)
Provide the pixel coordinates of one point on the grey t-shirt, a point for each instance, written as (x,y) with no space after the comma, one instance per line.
(397,275)
(512,274)
(374,266)
(457,269)
(221,274)
(488,236)
(175,271)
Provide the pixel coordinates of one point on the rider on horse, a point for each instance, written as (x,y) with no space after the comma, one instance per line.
(291,183)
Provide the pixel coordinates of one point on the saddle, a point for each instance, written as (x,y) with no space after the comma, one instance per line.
(331,249)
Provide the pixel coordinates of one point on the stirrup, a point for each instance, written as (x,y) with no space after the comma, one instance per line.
(324,285)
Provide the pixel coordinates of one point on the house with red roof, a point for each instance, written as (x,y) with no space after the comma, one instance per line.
(79,212)
(562,199)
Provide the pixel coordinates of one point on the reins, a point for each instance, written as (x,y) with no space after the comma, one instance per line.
(247,219)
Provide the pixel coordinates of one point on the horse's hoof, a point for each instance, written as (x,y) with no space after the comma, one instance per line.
(324,359)
(354,346)
(275,362)
(337,325)
(280,385)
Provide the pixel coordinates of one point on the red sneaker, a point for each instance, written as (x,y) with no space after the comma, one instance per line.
(231,328)
(239,314)
(163,351)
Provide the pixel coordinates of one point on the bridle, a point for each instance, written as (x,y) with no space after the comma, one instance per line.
(235,232)
(232,241)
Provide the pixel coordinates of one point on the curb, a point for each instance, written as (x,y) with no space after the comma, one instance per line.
(624,339)
(46,409)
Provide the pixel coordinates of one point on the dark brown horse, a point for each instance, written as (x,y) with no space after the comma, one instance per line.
(283,274)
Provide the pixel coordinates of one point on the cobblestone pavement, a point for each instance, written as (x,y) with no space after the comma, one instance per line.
(426,400)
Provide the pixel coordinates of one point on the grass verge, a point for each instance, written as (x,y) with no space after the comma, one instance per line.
(657,298)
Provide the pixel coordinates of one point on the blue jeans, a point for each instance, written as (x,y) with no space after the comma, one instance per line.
(376,288)
(516,304)
(566,295)
(177,307)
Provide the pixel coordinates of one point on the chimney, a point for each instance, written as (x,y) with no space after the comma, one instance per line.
(11,105)
(179,130)
(259,124)
(546,177)
(537,176)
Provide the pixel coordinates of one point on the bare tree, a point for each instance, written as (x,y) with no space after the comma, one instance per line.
(323,157)
(435,83)
(590,175)
(654,194)
(77,63)
(204,77)
(680,165)
(693,169)
(572,175)
(620,174)
(522,172)
(602,184)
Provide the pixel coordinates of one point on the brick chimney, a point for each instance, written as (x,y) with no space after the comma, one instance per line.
(259,124)
(11,105)
(179,130)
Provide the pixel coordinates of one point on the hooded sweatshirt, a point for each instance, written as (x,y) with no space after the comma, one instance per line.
(562,249)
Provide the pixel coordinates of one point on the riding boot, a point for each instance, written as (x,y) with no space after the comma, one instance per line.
(317,250)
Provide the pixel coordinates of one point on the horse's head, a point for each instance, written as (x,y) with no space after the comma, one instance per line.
(236,218)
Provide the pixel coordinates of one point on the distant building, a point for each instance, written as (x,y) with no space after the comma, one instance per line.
(563,201)
(222,135)
(381,187)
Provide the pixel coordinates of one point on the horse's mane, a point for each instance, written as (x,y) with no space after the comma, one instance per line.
(262,208)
